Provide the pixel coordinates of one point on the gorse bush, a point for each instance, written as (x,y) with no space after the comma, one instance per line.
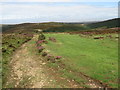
(41,37)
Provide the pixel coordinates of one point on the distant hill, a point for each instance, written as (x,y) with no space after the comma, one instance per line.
(67,28)
(113,23)
(29,26)
(60,26)
(6,27)
(107,24)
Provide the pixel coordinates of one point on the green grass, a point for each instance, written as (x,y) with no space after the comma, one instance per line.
(95,58)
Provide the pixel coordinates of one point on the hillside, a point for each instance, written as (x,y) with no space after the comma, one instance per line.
(107,24)
(28,27)
(77,27)
(6,27)
(67,28)
(60,27)
(81,57)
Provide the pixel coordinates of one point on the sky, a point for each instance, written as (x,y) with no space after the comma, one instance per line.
(37,11)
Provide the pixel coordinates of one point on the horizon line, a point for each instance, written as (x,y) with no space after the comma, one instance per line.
(58,22)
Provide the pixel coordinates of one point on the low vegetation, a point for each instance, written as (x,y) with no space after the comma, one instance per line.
(106,24)
(74,51)
(96,58)
(10,43)
(67,28)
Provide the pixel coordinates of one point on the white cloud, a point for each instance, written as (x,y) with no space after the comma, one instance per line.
(59,0)
(40,13)
(36,0)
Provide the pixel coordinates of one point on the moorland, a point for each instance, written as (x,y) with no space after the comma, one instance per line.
(60,55)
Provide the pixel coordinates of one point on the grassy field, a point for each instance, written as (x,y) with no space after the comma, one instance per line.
(97,58)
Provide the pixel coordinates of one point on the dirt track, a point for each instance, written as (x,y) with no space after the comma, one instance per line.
(27,68)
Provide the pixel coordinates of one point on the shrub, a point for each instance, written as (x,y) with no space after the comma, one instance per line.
(52,39)
(58,57)
(51,58)
(41,37)
(40,42)
(46,42)
(44,54)
(40,49)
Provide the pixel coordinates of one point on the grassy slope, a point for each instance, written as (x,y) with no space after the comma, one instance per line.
(96,58)
(109,23)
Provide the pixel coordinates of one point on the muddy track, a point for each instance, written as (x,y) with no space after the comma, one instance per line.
(90,81)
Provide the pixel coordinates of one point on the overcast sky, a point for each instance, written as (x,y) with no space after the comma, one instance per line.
(22,11)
